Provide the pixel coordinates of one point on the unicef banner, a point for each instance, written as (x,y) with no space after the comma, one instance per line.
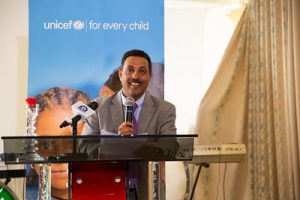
(75,48)
(79,43)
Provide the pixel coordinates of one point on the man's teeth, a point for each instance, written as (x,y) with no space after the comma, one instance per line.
(135,83)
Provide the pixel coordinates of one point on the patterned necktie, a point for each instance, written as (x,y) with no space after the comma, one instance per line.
(135,123)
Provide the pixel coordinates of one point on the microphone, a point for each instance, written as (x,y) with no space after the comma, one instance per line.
(128,111)
(81,112)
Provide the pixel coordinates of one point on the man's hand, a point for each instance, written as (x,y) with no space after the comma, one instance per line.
(125,128)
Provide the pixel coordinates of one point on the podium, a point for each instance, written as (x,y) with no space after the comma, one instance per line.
(101,161)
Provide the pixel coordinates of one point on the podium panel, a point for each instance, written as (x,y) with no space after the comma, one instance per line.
(97,162)
(98,180)
(59,149)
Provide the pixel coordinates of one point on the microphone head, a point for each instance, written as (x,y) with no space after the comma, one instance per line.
(80,112)
(128,110)
(129,101)
(83,110)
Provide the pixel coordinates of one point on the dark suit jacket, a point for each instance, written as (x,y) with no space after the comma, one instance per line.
(156,117)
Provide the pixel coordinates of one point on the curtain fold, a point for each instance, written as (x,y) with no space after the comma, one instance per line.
(293,86)
(254,99)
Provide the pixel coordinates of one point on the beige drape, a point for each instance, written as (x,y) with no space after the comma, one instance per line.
(255,99)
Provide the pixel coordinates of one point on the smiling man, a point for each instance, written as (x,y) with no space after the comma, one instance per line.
(153,115)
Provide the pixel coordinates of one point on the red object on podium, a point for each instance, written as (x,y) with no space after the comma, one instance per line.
(98,180)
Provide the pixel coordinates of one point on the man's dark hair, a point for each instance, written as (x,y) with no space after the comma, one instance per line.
(138,53)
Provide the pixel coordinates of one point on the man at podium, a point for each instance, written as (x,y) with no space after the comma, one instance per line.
(150,114)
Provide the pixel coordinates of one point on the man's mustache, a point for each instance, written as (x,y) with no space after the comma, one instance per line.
(135,81)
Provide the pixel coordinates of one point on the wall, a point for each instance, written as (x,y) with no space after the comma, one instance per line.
(13,62)
(196,35)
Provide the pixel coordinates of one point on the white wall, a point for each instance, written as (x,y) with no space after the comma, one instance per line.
(13,81)
(195,37)
(13,63)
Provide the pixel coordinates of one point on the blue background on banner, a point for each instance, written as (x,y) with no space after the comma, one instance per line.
(69,45)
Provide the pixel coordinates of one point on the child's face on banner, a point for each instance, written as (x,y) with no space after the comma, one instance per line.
(48,123)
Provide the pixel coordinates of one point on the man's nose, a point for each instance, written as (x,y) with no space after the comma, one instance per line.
(135,74)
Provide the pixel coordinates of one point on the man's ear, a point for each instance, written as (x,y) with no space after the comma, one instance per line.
(150,76)
(120,73)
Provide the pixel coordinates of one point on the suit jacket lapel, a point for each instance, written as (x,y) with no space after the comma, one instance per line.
(147,112)
(116,110)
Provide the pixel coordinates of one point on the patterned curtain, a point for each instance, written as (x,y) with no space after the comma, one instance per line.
(255,99)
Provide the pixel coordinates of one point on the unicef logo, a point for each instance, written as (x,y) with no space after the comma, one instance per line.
(78,25)
(82,108)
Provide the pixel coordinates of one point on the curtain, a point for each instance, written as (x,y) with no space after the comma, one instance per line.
(254,99)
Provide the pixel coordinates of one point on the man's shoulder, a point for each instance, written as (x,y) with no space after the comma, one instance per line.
(161,102)
(105,99)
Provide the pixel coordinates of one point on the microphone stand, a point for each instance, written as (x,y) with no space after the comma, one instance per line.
(74,151)
(74,133)
(74,156)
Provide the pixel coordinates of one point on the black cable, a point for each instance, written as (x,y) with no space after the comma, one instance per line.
(195,183)
(24,182)
(7,180)
(224,177)
(70,179)
(218,181)
(206,165)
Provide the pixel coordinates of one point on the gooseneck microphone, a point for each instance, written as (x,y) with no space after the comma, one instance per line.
(81,112)
(128,110)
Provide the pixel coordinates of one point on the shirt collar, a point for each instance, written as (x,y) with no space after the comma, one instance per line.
(139,102)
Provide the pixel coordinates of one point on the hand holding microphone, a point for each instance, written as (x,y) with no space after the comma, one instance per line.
(81,111)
